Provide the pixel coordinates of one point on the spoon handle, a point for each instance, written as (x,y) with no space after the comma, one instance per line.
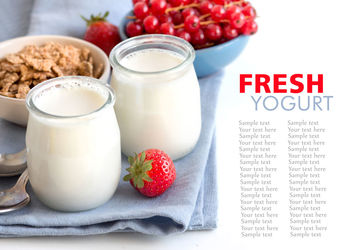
(13,164)
(23,180)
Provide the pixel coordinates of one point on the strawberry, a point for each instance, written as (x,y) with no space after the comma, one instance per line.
(101,33)
(151,172)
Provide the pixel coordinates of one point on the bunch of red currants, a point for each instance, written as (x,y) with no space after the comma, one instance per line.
(203,23)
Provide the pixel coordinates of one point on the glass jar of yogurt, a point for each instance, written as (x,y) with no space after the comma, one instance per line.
(73,143)
(157,94)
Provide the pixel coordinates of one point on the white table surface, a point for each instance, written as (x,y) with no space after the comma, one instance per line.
(298,35)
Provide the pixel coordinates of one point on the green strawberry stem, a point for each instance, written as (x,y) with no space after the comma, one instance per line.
(138,170)
(94,19)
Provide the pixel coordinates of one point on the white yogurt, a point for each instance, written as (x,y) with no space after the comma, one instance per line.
(151,60)
(70,101)
(74,163)
(160,110)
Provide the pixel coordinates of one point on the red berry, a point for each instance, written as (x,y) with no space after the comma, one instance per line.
(249,28)
(165,18)
(222,2)
(205,7)
(167,29)
(102,33)
(141,10)
(175,3)
(213,32)
(198,37)
(229,32)
(192,24)
(188,12)
(138,21)
(134,29)
(197,12)
(137,1)
(218,13)
(237,20)
(151,24)
(178,31)
(176,16)
(184,35)
(158,7)
(232,10)
(244,4)
(151,172)
(186,2)
(249,12)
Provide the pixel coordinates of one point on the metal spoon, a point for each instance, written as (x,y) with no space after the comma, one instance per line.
(15,197)
(13,164)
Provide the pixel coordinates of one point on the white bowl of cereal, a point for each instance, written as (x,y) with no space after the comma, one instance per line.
(30,60)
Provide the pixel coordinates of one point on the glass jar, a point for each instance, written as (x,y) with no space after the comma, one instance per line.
(74,160)
(157,106)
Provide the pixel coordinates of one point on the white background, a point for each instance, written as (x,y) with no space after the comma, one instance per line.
(300,36)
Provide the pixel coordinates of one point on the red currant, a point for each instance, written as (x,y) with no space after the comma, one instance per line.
(188,12)
(218,13)
(158,7)
(134,29)
(165,18)
(136,1)
(213,32)
(167,28)
(176,16)
(205,7)
(178,31)
(222,2)
(237,20)
(151,24)
(141,10)
(249,28)
(229,32)
(232,10)
(244,4)
(192,23)
(175,3)
(152,18)
(184,35)
(198,37)
(186,2)
(196,12)
(249,12)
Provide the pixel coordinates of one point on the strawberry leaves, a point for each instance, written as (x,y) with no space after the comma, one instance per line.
(94,19)
(138,170)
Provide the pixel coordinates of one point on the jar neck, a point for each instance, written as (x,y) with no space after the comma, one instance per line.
(156,41)
(64,82)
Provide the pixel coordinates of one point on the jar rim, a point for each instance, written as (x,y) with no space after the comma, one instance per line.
(32,107)
(148,39)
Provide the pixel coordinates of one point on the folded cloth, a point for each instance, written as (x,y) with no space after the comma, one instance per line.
(189,204)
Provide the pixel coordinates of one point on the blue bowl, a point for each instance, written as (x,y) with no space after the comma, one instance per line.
(212,59)
(209,60)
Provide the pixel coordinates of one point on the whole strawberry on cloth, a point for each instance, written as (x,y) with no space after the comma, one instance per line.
(151,172)
(101,33)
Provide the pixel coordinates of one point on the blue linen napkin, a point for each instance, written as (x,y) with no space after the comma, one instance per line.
(190,204)
(14,16)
